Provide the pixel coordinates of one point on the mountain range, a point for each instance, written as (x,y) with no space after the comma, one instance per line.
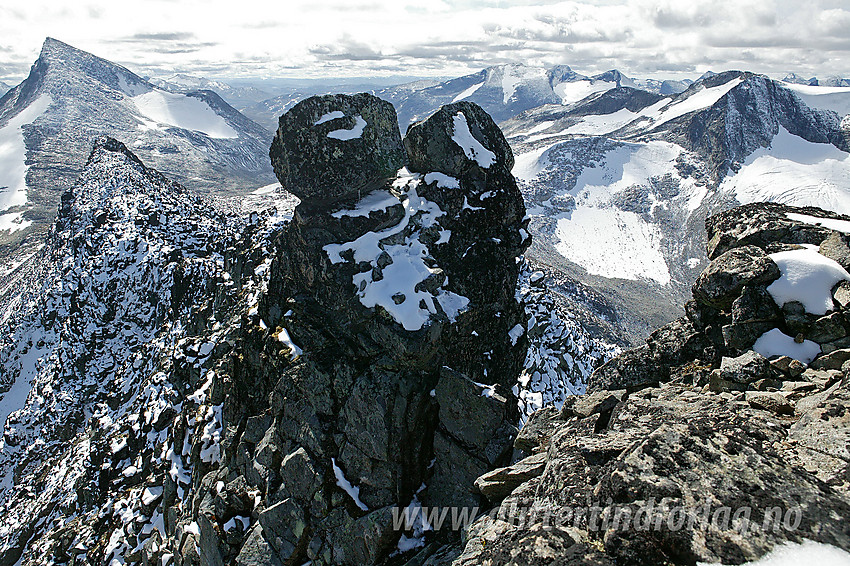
(48,122)
(70,97)
(619,184)
(618,173)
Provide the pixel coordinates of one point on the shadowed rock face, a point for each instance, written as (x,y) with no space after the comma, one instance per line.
(328,148)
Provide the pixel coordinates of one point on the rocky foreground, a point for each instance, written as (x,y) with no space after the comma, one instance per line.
(696,423)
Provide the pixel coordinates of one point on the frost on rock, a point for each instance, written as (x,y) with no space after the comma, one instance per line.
(807,277)
(399,289)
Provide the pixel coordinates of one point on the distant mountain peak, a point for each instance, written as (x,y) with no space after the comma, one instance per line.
(53,49)
(794,78)
(614,76)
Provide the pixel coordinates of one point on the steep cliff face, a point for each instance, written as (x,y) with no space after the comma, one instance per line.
(724,438)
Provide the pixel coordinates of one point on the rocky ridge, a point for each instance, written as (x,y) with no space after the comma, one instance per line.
(697,418)
(280,403)
(70,98)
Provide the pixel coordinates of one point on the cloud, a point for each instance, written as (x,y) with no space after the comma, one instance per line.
(439,37)
(163,36)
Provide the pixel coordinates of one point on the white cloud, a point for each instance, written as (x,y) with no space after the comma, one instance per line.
(436,37)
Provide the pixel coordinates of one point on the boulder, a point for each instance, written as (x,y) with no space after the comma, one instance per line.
(499,483)
(832,360)
(746,368)
(774,402)
(836,248)
(537,429)
(338,146)
(457,139)
(723,280)
(763,224)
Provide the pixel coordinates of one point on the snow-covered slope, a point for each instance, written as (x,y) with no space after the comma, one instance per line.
(238,97)
(48,122)
(619,183)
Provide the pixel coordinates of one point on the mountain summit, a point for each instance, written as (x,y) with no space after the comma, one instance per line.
(71,97)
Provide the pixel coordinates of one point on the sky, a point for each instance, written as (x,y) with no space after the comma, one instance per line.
(382,38)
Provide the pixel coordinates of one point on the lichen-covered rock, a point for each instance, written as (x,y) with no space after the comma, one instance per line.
(714,414)
(332,147)
(764,224)
(676,476)
(727,275)
(458,140)
(746,368)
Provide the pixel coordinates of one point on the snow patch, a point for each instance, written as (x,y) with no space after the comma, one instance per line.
(829,223)
(373,202)
(183,111)
(527,166)
(807,277)
(515,334)
(329,116)
(776,343)
(473,148)
(353,133)
(574,91)
(13,221)
(514,75)
(283,338)
(697,101)
(442,180)
(612,243)
(807,552)
(342,482)
(467,93)
(396,291)
(836,99)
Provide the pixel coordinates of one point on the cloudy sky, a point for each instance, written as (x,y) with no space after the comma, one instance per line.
(297,38)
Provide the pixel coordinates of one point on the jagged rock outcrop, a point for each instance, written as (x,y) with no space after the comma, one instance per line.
(720,440)
(100,364)
(743,297)
(376,371)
